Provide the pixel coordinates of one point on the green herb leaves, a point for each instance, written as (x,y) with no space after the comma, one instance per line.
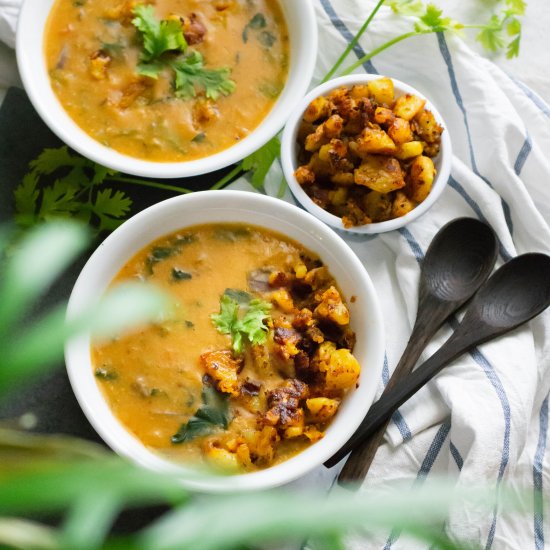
(74,192)
(162,42)
(158,36)
(213,413)
(261,160)
(192,76)
(256,23)
(243,318)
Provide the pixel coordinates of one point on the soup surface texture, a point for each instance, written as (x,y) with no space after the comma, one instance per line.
(169,80)
(253,364)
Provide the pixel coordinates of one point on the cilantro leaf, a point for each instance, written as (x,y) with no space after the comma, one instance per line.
(61,184)
(407,7)
(490,36)
(433,21)
(213,413)
(516,7)
(512,49)
(261,160)
(243,320)
(192,76)
(158,36)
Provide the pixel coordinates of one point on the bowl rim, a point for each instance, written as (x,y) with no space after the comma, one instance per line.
(81,374)
(289,164)
(34,75)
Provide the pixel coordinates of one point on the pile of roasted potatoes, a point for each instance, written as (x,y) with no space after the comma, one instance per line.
(366,156)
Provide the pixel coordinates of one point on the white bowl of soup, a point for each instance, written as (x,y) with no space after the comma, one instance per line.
(271,359)
(166,89)
(366,154)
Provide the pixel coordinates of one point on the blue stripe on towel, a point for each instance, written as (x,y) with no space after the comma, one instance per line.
(348,36)
(523,154)
(534,97)
(444,49)
(456,455)
(506,256)
(425,468)
(537,475)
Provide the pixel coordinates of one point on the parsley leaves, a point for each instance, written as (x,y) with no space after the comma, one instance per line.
(213,413)
(163,44)
(243,318)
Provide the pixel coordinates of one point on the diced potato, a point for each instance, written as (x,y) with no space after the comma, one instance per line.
(313,433)
(342,371)
(99,61)
(294,431)
(283,300)
(243,455)
(380,174)
(381,90)
(408,106)
(322,409)
(223,369)
(300,270)
(409,150)
(342,178)
(331,128)
(318,108)
(262,444)
(427,126)
(401,205)
(359,91)
(339,196)
(421,178)
(304,175)
(382,115)
(322,355)
(374,141)
(222,458)
(400,131)
(332,307)
(378,206)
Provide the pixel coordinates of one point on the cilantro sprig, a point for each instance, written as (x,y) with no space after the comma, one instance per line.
(63,184)
(163,46)
(243,317)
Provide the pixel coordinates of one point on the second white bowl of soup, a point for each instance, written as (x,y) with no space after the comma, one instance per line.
(169,88)
(268,365)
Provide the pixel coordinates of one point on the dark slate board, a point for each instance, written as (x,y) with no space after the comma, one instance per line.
(23,136)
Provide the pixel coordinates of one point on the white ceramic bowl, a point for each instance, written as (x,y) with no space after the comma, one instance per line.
(289,157)
(214,207)
(302,26)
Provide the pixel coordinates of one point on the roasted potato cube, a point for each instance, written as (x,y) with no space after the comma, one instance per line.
(422,175)
(322,355)
(409,150)
(331,128)
(223,369)
(322,409)
(283,300)
(318,108)
(381,90)
(427,127)
(243,455)
(374,141)
(378,206)
(400,131)
(339,196)
(313,433)
(332,307)
(359,91)
(382,115)
(342,371)
(342,179)
(294,431)
(304,175)
(380,174)
(408,106)
(262,444)
(99,61)
(221,458)
(401,205)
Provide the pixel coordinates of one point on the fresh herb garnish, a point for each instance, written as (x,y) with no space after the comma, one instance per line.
(199,138)
(212,414)
(105,374)
(192,76)
(243,318)
(256,23)
(160,253)
(180,275)
(267,39)
(261,160)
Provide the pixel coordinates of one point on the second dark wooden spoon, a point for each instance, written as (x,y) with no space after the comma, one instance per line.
(459,259)
(515,294)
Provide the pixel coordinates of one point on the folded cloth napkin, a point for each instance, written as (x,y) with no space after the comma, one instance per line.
(484,419)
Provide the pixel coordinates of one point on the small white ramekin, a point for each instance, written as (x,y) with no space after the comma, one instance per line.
(289,157)
(215,207)
(302,27)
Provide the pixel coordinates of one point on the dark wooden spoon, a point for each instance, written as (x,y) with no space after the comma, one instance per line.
(458,261)
(516,293)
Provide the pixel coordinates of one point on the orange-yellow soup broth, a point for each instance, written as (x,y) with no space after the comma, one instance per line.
(279,395)
(93,50)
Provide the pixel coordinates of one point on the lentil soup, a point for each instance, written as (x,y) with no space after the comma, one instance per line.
(168,81)
(253,365)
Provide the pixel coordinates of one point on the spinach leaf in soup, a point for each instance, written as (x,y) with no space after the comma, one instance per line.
(105,373)
(180,275)
(256,23)
(212,414)
(267,39)
(161,253)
